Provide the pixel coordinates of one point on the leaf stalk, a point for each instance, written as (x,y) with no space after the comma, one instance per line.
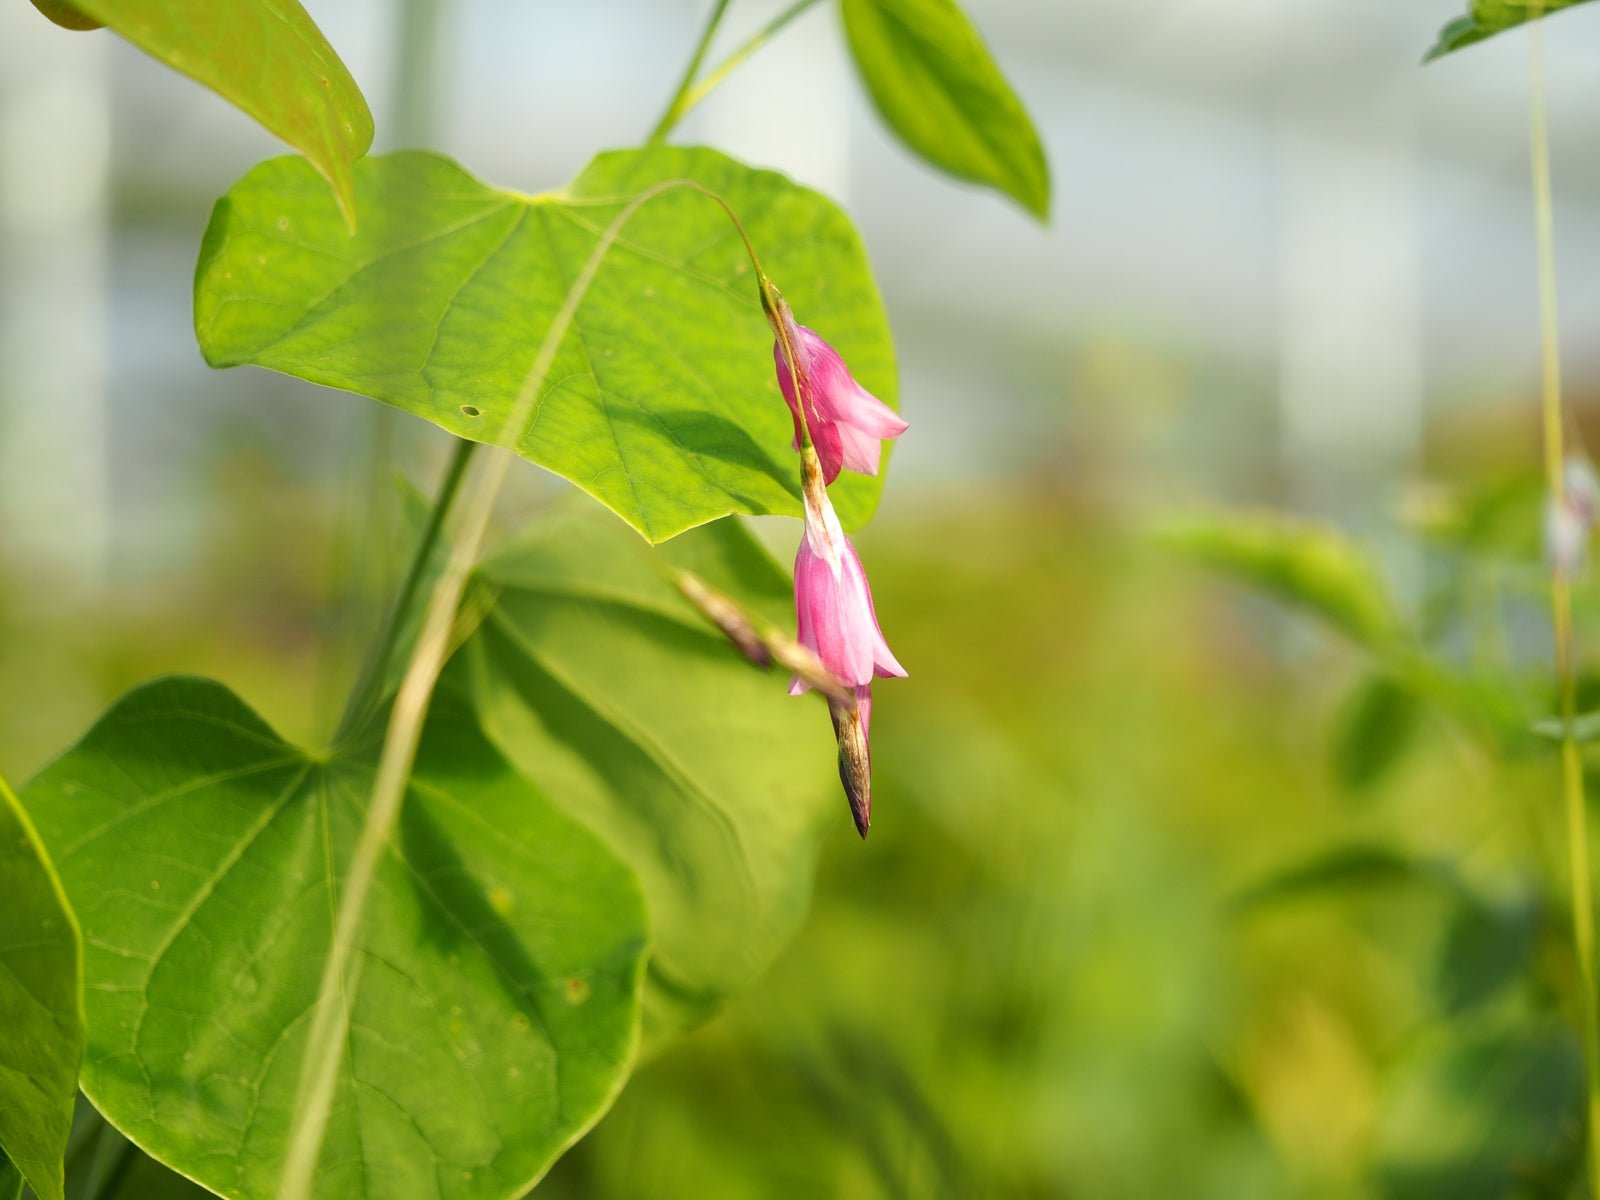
(1572,782)
(690,94)
(325,1042)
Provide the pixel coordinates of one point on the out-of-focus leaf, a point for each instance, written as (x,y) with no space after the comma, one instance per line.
(267,57)
(1304,562)
(1353,868)
(494,1010)
(662,402)
(604,686)
(1487,946)
(1479,1116)
(1489,17)
(1377,726)
(10,1179)
(68,17)
(934,82)
(41,1007)
(1496,519)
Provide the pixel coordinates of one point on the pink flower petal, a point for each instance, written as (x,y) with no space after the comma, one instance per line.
(860,452)
(846,421)
(871,415)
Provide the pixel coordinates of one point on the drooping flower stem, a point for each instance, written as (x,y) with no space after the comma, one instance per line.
(1575,802)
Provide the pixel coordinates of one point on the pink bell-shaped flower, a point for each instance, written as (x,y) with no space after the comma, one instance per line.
(848,424)
(837,622)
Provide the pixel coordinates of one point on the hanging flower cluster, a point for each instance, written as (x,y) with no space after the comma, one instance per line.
(838,424)
(1569,518)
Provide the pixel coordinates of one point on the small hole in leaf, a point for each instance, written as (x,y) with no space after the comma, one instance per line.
(470,410)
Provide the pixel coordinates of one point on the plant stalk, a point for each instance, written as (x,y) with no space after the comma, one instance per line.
(365,696)
(325,1042)
(679,104)
(1572,783)
(735,60)
(689,93)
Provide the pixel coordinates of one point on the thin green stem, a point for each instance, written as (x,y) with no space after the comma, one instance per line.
(1572,785)
(122,1159)
(735,60)
(679,104)
(367,692)
(325,1040)
(689,96)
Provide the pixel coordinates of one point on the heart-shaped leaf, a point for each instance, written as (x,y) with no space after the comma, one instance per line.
(605,687)
(934,81)
(41,1010)
(1489,17)
(662,401)
(495,1009)
(267,57)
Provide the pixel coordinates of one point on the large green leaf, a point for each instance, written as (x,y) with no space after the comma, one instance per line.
(1489,17)
(604,686)
(935,83)
(495,1012)
(662,402)
(41,1008)
(265,56)
(1303,562)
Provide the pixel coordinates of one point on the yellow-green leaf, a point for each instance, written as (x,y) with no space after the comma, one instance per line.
(267,57)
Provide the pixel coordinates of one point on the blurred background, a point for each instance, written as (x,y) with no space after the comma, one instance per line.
(1169,893)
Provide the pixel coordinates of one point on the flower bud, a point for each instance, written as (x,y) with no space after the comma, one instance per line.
(850,725)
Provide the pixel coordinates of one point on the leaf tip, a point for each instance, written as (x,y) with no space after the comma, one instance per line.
(68,16)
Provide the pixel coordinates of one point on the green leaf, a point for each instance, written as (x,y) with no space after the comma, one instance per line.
(1306,563)
(1359,867)
(495,1012)
(1378,724)
(266,57)
(41,1007)
(604,686)
(1487,946)
(934,82)
(662,402)
(1489,17)
(10,1179)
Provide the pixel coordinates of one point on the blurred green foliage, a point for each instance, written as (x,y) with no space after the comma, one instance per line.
(1144,912)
